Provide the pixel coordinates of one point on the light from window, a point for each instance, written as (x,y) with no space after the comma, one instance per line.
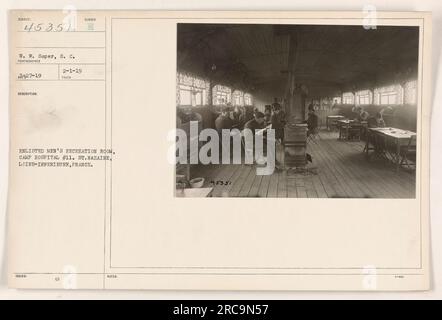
(221,95)
(410,94)
(238,98)
(247,99)
(191,90)
(388,95)
(348,98)
(388,98)
(363,97)
(185,96)
(337,100)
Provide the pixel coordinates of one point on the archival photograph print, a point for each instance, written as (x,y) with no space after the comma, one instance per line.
(296,111)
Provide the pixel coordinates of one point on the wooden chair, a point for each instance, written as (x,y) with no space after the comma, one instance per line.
(408,153)
(349,131)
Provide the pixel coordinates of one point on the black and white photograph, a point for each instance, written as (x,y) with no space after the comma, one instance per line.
(296,111)
(244,152)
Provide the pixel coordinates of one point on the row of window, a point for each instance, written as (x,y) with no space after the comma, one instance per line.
(194,91)
(389,95)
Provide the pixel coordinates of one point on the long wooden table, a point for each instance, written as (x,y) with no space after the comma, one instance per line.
(331,120)
(380,137)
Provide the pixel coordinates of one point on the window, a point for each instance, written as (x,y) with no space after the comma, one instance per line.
(348,98)
(238,98)
(247,99)
(221,95)
(191,90)
(388,95)
(410,94)
(337,100)
(363,97)
(185,96)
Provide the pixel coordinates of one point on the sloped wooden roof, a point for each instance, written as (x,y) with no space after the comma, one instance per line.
(325,56)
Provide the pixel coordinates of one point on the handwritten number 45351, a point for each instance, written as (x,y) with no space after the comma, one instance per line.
(46,27)
(220,183)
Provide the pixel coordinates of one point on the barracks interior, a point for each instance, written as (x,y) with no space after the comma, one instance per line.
(342,101)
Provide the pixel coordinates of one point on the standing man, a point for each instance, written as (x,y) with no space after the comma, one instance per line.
(223,121)
(278,121)
(312,122)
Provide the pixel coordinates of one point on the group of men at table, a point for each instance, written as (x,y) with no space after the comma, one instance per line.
(376,121)
(273,116)
(234,118)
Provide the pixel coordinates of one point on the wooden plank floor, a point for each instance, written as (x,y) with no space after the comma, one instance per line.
(342,171)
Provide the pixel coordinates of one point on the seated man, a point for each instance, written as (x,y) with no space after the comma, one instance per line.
(377,121)
(256,123)
(235,116)
(224,121)
(363,115)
